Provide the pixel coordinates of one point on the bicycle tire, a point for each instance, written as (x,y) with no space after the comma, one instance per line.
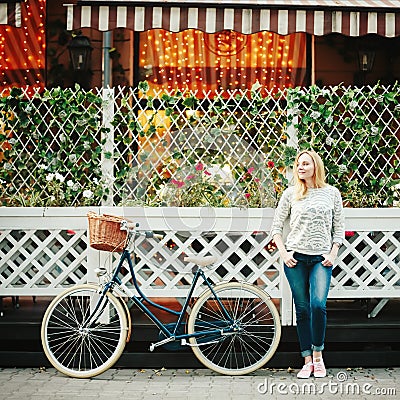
(255,317)
(77,351)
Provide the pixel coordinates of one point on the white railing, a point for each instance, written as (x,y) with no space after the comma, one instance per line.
(45,250)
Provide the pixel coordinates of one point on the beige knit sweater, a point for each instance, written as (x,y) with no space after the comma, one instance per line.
(316,221)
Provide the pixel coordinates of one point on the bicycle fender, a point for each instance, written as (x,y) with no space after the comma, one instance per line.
(128,316)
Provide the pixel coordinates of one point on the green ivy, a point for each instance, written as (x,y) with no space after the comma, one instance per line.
(352,131)
(51,148)
(50,153)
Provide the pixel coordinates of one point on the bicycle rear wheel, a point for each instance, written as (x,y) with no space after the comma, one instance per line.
(250,335)
(79,341)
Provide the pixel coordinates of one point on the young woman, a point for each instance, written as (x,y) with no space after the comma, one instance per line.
(316,221)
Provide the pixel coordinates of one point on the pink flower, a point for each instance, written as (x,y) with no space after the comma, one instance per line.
(256,179)
(207,173)
(190,177)
(177,183)
(270,164)
(199,167)
(349,233)
(251,170)
(247,195)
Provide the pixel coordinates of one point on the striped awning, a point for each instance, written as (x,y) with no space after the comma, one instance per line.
(251,17)
(10,13)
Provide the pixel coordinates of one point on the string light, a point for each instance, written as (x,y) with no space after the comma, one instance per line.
(23,49)
(222,60)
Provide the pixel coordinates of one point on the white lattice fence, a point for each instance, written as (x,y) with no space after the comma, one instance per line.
(42,261)
(239,239)
(357,133)
(147,150)
(42,252)
(226,135)
(242,256)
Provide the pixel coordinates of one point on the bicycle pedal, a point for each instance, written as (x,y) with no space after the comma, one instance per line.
(162,342)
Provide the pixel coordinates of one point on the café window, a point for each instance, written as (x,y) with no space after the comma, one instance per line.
(225,60)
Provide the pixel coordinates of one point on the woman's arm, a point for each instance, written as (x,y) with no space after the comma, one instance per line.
(331,257)
(337,230)
(286,256)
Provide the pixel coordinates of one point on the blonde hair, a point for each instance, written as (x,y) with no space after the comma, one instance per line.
(318,178)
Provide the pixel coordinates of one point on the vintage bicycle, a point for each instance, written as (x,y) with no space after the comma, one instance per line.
(233,327)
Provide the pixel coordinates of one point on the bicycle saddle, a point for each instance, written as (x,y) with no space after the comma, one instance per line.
(202,261)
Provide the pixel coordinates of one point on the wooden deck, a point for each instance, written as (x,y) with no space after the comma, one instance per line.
(352,340)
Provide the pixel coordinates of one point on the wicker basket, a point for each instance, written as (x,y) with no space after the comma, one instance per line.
(105,232)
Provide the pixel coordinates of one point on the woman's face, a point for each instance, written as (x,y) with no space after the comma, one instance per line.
(305,167)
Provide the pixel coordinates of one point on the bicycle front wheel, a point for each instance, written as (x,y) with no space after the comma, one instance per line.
(248,325)
(83,332)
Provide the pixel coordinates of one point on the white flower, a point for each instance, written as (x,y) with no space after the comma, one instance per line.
(42,166)
(374,130)
(72,158)
(87,194)
(295,110)
(49,177)
(164,192)
(330,141)
(81,122)
(63,138)
(315,114)
(95,181)
(7,166)
(59,177)
(62,114)
(353,104)
(329,120)
(342,168)
(70,183)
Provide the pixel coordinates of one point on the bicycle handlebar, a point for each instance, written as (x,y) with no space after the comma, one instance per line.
(125,226)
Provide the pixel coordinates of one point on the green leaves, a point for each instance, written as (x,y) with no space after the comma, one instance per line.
(348,128)
(55,158)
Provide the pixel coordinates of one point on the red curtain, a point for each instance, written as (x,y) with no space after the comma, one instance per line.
(22,50)
(225,60)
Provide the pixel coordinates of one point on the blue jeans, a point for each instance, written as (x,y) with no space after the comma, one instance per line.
(309,281)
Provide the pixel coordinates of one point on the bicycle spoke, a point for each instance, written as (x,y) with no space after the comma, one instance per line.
(79,339)
(249,336)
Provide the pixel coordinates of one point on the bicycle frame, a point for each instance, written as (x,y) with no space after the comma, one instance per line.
(139,302)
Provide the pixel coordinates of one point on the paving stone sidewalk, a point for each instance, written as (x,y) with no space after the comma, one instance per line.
(181,384)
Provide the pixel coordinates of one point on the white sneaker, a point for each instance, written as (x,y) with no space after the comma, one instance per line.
(306,371)
(319,368)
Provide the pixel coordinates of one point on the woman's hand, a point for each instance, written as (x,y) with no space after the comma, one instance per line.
(329,259)
(288,259)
